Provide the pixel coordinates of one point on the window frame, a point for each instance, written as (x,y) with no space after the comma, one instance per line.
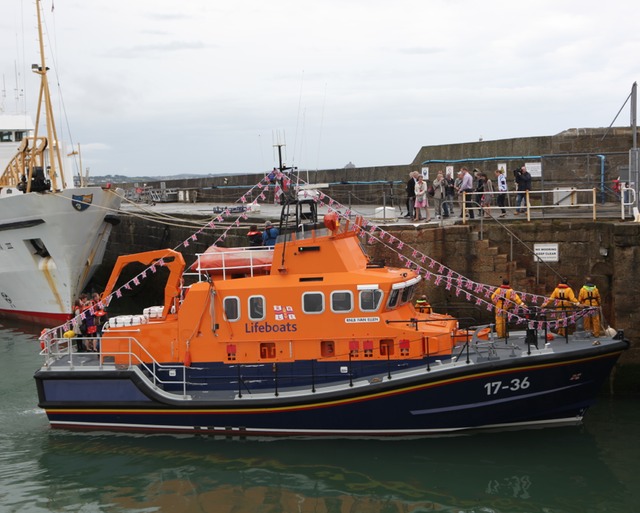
(264,309)
(349,293)
(238,306)
(309,293)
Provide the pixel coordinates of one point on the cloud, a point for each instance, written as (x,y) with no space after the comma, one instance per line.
(205,86)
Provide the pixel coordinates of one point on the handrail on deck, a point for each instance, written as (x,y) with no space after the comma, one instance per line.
(57,348)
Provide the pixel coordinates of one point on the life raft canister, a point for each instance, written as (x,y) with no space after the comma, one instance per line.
(331,221)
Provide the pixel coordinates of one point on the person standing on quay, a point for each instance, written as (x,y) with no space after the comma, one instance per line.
(589,296)
(439,195)
(449,191)
(466,190)
(421,199)
(502,191)
(523,184)
(411,194)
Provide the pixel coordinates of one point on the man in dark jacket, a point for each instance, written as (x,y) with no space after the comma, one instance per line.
(523,184)
(411,194)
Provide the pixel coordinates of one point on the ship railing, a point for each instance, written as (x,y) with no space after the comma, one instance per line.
(249,260)
(63,354)
(357,370)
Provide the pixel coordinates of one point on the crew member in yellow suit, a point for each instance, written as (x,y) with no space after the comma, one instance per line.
(564,298)
(590,296)
(504,297)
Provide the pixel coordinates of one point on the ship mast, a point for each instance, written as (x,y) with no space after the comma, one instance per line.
(29,170)
(55,171)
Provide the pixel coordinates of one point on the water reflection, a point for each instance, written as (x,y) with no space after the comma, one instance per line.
(589,469)
(553,470)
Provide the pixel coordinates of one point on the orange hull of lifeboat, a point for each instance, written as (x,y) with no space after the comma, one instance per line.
(221,261)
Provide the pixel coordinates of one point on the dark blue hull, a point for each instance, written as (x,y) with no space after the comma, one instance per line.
(542,389)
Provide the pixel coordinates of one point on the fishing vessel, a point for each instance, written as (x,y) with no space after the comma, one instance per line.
(53,233)
(317,340)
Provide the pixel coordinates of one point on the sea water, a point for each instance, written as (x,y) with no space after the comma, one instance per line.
(589,468)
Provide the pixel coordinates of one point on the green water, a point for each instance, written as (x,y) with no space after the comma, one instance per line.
(592,468)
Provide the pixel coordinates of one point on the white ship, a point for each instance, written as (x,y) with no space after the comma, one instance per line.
(52,234)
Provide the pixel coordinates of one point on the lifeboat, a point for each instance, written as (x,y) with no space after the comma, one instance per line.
(324,343)
(216,261)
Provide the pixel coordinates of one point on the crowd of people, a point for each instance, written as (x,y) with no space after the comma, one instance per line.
(475,187)
(89,319)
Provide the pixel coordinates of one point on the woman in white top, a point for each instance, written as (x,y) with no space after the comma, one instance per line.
(421,199)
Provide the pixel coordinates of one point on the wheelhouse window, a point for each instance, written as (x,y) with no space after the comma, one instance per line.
(232,308)
(313,302)
(407,294)
(341,301)
(256,308)
(393,298)
(402,292)
(370,300)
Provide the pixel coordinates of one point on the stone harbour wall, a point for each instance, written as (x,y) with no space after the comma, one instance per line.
(608,251)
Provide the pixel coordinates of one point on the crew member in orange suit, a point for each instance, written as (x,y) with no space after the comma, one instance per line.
(505,298)
(563,299)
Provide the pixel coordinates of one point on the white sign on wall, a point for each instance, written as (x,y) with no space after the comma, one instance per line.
(425,173)
(546,252)
(535,169)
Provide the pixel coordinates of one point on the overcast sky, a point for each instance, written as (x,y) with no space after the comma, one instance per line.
(205,86)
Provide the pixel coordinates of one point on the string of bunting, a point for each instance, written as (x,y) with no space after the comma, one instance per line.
(441,275)
(429,268)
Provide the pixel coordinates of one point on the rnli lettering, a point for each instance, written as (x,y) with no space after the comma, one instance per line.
(267,327)
(351,320)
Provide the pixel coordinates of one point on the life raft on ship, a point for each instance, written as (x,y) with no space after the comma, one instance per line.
(217,261)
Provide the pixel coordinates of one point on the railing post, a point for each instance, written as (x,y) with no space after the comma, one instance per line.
(275,370)
(425,340)
(239,383)
(464,207)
